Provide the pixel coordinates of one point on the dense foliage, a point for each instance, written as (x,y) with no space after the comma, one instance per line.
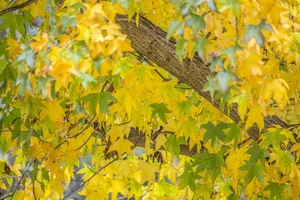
(83,114)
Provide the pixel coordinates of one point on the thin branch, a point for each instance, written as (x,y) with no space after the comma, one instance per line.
(165,79)
(85,141)
(19,182)
(17,7)
(85,182)
(80,132)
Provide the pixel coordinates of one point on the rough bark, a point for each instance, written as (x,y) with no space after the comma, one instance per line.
(150,41)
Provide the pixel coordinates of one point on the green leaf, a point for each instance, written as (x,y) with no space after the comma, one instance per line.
(212,5)
(93,99)
(105,98)
(86,79)
(211,85)
(224,77)
(211,162)
(256,153)
(233,133)
(180,50)
(17,128)
(233,5)
(27,55)
(15,22)
(173,144)
(24,83)
(214,132)
(256,170)
(174,27)
(256,32)
(42,83)
(273,139)
(284,161)
(125,3)
(189,177)
(230,51)
(67,22)
(160,109)
(121,67)
(196,22)
(163,188)
(183,107)
(277,190)
(98,100)
(97,63)
(200,45)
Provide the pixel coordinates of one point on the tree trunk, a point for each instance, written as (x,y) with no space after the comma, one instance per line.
(150,41)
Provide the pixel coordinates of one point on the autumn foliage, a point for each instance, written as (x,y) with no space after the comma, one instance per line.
(87,112)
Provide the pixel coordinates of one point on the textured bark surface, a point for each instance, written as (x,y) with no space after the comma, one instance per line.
(150,41)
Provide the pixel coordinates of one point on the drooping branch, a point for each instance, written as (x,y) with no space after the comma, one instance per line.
(17,7)
(150,41)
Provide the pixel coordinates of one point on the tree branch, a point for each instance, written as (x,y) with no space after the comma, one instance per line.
(150,41)
(86,181)
(13,8)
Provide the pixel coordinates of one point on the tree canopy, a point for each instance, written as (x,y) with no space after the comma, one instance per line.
(149,99)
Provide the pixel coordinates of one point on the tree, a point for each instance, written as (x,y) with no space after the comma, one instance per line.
(149,99)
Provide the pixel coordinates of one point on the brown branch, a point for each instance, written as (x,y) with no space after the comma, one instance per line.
(150,41)
(17,7)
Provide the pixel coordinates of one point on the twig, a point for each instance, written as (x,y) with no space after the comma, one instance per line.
(4,177)
(159,74)
(77,134)
(85,128)
(19,182)
(13,8)
(84,182)
(106,82)
(85,141)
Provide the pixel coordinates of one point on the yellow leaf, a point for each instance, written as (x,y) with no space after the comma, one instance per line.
(296,148)
(124,168)
(38,191)
(14,47)
(252,68)
(124,46)
(273,67)
(118,132)
(53,110)
(39,43)
(38,8)
(241,100)
(295,181)
(106,67)
(276,89)
(117,186)
(64,40)
(122,146)
(35,149)
(160,141)
(84,33)
(255,115)
(85,65)
(284,161)
(57,187)
(250,188)
(148,172)
(128,100)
